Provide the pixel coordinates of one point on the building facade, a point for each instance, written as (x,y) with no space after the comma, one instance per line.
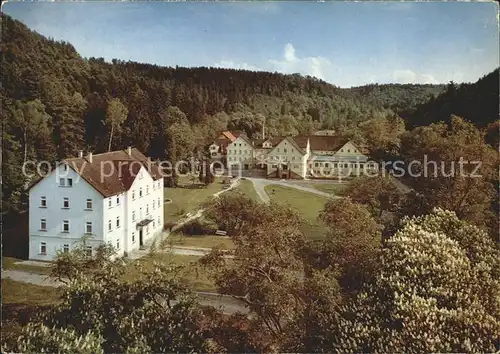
(240,154)
(114,198)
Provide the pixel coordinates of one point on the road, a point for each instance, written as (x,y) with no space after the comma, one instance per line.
(225,303)
(259,185)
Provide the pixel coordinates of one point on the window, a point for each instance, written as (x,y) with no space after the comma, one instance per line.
(158,202)
(43,202)
(348,150)
(65,226)
(293,158)
(118,200)
(66,203)
(43,224)
(214,154)
(43,248)
(153,224)
(327,164)
(109,225)
(88,251)
(109,203)
(240,152)
(65,248)
(316,164)
(62,182)
(140,175)
(117,222)
(159,220)
(154,206)
(133,215)
(70,182)
(133,237)
(284,150)
(140,192)
(147,209)
(147,230)
(89,204)
(118,244)
(133,195)
(278,150)
(65,167)
(88,227)
(147,189)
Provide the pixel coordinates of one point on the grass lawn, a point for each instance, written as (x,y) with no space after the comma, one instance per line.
(188,199)
(10,263)
(204,241)
(246,187)
(14,292)
(20,303)
(306,204)
(332,188)
(193,276)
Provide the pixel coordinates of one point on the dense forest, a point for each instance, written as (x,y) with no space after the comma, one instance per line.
(56,103)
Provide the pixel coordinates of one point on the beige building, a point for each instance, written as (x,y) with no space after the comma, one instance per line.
(240,154)
(288,159)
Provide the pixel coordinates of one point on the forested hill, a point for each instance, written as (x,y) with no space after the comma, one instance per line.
(476,102)
(38,68)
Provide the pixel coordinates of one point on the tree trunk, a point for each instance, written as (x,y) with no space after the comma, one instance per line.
(110,139)
(25,147)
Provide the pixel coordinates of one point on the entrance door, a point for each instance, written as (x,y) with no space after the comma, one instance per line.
(140,238)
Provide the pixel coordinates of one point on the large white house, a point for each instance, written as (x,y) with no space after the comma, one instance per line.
(115,197)
(240,154)
(288,159)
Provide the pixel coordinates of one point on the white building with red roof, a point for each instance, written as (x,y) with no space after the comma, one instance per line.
(114,198)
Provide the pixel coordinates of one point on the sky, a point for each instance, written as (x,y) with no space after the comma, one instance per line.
(344,43)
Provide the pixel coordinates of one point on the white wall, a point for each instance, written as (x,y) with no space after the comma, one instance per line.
(240,152)
(100,214)
(285,151)
(54,213)
(152,191)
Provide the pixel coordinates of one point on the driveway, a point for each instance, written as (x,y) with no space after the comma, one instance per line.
(259,185)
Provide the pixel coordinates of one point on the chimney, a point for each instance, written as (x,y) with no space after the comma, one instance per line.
(129,151)
(80,154)
(90,157)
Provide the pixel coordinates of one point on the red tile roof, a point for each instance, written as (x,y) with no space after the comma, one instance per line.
(113,172)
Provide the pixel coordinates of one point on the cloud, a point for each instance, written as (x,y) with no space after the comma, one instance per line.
(319,67)
(290,63)
(408,76)
(239,66)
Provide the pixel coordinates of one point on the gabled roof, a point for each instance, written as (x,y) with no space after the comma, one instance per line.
(275,140)
(293,143)
(113,172)
(227,135)
(245,138)
(322,142)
